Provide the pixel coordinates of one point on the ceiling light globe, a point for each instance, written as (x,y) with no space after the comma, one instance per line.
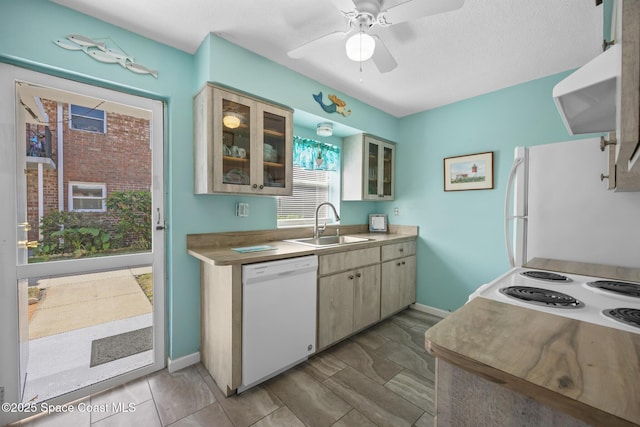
(360,47)
(324,129)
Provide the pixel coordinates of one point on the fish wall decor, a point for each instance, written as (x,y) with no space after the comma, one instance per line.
(99,51)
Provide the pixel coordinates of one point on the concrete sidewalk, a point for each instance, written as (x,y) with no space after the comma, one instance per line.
(81,301)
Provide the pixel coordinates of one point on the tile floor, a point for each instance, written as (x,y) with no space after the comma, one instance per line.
(380,377)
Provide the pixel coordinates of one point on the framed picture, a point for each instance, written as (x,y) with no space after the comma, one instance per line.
(470,172)
(227,138)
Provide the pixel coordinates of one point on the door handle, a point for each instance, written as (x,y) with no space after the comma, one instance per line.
(23,244)
(25,225)
(158,225)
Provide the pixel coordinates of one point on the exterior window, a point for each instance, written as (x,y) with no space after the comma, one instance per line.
(314,182)
(87,197)
(87,119)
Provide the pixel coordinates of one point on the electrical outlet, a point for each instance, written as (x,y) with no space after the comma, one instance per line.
(1,394)
(396,212)
(242,209)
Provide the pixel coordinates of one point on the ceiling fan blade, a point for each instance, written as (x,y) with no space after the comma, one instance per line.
(344,6)
(308,47)
(382,57)
(414,9)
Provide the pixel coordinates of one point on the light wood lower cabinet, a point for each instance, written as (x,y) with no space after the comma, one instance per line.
(221,324)
(366,300)
(356,288)
(335,307)
(347,300)
(398,285)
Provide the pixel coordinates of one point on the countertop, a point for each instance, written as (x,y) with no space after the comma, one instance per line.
(588,371)
(216,248)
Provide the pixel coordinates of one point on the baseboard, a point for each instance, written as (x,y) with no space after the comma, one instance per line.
(174,365)
(430,310)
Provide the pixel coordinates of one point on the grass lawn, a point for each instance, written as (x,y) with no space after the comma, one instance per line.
(146,284)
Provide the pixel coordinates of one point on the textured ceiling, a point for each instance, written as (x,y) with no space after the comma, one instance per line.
(484,46)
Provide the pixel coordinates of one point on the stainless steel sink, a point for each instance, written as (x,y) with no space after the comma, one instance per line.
(324,241)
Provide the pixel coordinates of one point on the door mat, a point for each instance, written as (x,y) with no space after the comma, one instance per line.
(116,347)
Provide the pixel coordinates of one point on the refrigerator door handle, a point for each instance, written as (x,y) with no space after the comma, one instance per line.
(507,204)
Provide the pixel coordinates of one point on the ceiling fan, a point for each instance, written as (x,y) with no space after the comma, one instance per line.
(361,45)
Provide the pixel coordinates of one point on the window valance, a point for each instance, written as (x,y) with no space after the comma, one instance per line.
(310,154)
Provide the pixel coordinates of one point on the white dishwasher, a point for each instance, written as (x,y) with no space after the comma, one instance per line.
(278,316)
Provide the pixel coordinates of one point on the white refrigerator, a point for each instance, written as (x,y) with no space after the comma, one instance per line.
(558,207)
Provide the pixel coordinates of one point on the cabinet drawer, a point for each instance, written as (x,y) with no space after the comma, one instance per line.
(398,250)
(348,260)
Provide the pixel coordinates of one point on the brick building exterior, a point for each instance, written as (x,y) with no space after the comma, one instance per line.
(117,159)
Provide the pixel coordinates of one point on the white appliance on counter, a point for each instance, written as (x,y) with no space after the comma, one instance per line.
(278,317)
(563,211)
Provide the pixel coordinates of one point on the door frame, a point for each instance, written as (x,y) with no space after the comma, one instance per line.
(11,271)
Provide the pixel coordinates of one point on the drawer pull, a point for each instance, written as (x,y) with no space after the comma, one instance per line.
(358,275)
(398,264)
(403,263)
(401,249)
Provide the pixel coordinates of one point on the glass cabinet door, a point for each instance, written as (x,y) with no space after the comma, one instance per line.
(387,171)
(242,145)
(274,166)
(373,176)
(236,138)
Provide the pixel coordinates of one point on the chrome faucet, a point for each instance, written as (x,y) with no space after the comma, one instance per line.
(317,231)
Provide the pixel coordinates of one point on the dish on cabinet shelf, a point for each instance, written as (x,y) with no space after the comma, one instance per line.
(270,154)
(236,176)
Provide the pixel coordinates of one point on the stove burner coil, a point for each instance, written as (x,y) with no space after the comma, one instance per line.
(623,288)
(628,316)
(544,297)
(545,275)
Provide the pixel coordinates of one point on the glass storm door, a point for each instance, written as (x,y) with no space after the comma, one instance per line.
(86,290)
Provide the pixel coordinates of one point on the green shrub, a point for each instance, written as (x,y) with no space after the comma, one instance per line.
(51,223)
(71,232)
(85,239)
(133,210)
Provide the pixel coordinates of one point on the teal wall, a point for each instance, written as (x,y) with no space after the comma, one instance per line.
(461,234)
(27,29)
(461,244)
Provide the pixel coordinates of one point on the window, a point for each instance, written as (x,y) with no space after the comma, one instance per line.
(87,197)
(314,182)
(87,119)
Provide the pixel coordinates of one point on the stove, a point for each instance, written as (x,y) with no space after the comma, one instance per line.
(605,302)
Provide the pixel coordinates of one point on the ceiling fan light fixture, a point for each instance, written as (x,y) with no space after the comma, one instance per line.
(231,120)
(360,47)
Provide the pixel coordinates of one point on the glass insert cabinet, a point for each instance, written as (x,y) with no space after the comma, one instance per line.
(243,144)
(368,168)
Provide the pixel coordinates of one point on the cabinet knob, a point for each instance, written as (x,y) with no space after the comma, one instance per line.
(261,186)
(351,277)
(403,263)
(604,142)
(358,275)
(606,44)
(255,185)
(398,264)
(603,176)
(401,249)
